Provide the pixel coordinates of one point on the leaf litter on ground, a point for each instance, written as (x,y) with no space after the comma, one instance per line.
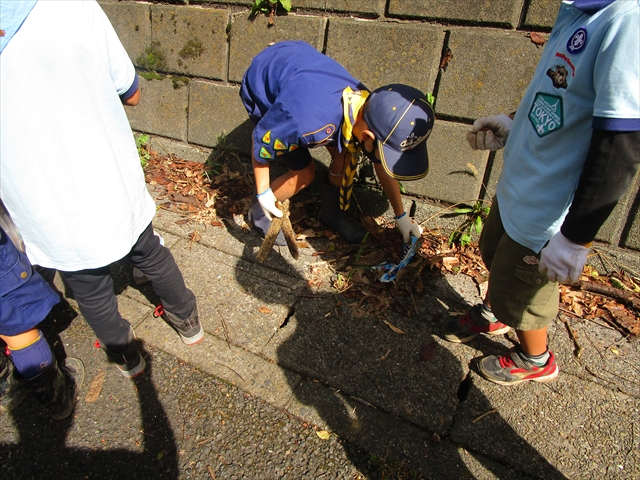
(223,197)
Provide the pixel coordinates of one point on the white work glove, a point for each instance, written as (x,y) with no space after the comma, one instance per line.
(490,133)
(408,227)
(267,201)
(562,259)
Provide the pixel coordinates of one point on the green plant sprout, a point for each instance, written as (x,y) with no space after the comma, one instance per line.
(142,143)
(269,8)
(475,215)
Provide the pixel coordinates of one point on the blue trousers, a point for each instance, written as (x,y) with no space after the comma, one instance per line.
(93,290)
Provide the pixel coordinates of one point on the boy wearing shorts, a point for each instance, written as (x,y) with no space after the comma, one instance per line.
(571,151)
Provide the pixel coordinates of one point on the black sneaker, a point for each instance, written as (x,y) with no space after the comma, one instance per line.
(130,363)
(189,328)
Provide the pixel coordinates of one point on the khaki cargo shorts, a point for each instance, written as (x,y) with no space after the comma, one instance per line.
(520,296)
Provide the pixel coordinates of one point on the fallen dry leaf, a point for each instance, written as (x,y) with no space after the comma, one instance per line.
(264,310)
(95,387)
(323,434)
(394,328)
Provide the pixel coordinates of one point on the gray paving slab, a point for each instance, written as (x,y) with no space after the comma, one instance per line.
(162,109)
(192,40)
(132,21)
(249,36)
(488,73)
(566,429)
(455,171)
(215,111)
(506,12)
(401,53)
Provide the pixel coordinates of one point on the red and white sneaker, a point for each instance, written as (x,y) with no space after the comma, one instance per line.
(513,368)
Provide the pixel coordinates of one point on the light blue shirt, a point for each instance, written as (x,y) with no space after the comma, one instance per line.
(12,15)
(588,77)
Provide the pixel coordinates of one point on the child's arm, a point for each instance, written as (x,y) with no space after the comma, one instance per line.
(265,196)
(391,188)
(133,100)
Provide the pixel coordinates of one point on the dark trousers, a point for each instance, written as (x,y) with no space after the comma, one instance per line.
(93,290)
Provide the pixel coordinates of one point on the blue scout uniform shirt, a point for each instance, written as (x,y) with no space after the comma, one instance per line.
(293,94)
(588,77)
(25,297)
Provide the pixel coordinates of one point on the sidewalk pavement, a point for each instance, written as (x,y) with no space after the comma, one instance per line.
(409,398)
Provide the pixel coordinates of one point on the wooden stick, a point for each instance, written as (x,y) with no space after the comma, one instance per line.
(287,230)
(274,229)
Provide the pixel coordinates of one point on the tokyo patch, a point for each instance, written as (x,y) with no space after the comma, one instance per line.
(546,114)
(577,41)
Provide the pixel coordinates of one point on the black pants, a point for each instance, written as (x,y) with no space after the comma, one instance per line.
(93,290)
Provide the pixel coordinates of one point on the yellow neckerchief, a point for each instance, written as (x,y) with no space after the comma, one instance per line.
(352,102)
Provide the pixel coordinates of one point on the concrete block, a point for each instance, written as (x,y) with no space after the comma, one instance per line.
(216,110)
(250,37)
(455,171)
(366,7)
(132,23)
(379,53)
(497,12)
(162,109)
(488,74)
(541,13)
(192,40)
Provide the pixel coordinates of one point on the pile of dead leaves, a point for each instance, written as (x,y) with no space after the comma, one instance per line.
(212,196)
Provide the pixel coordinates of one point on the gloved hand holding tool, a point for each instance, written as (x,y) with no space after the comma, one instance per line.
(408,227)
(490,133)
(283,222)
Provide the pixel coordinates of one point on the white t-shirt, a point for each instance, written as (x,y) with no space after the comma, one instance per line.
(70,175)
(588,77)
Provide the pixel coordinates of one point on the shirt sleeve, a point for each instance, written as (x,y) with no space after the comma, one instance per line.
(608,171)
(616,76)
(276,134)
(116,59)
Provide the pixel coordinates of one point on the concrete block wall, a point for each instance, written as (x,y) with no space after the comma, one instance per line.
(201,48)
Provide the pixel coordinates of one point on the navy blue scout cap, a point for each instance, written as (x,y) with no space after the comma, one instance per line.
(402,120)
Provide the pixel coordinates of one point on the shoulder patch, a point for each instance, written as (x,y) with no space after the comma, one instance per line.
(264,153)
(267,138)
(321,136)
(293,147)
(278,145)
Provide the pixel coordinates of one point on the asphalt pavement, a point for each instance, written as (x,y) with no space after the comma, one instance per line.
(294,380)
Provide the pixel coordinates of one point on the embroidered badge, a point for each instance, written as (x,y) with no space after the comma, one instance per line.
(412,141)
(278,145)
(293,147)
(531,260)
(577,41)
(558,76)
(321,136)
(546,114)
(267,138)
(264,153)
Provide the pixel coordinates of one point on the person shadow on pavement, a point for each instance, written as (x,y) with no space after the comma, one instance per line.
(396,400)
(41,450)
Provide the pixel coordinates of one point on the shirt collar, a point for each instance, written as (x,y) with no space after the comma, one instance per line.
(589,7)
(12,16)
